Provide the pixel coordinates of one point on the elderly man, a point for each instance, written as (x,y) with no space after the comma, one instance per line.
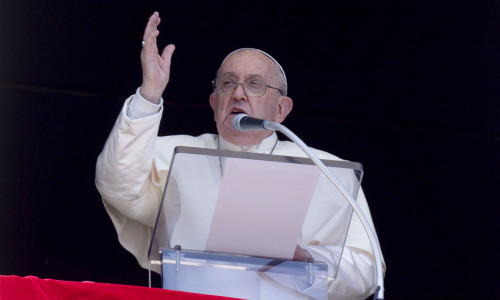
(133,165)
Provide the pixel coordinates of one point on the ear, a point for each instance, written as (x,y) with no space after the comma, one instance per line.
(284,108)
(212,102)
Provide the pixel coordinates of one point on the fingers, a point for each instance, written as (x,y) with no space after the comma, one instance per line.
(151,31)
(150,42)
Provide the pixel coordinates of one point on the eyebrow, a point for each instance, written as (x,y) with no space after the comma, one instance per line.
(233,74)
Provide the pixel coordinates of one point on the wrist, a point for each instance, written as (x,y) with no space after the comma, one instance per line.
(153,95)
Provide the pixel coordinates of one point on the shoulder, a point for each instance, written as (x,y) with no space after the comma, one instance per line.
(206,140)
(291,149)
(165,146)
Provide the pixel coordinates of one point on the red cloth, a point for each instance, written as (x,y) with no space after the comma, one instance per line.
(34,288)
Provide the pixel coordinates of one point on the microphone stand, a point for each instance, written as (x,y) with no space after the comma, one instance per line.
(379,293)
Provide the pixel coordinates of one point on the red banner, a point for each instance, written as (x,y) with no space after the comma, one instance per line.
(33,288)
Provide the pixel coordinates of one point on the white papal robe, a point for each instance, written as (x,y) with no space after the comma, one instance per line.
(131,173)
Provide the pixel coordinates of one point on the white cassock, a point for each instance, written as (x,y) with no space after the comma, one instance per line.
(131,173)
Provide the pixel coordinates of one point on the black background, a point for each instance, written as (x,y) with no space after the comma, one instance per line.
(409,89)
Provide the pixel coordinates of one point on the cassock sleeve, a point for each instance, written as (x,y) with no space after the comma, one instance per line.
(123,173)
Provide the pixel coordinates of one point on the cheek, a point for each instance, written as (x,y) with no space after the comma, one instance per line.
(266,111)
(217,115)
(218,108)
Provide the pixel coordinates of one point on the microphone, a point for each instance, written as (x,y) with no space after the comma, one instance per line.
(243,122)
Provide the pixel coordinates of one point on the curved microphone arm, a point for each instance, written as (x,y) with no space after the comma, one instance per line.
(379,293)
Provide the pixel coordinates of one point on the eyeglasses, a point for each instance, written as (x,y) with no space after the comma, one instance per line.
(253,87)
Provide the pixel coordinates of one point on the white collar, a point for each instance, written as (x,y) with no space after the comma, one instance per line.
(267,145)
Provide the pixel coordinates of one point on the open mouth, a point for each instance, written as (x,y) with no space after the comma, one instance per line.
(236,111)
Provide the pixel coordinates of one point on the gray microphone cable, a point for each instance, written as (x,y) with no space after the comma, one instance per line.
(243,122)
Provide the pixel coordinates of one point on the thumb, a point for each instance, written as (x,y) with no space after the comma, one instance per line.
(167,53)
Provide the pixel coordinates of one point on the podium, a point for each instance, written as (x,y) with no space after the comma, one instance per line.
(223,226)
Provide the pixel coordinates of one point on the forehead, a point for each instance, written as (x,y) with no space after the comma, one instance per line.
(248,62)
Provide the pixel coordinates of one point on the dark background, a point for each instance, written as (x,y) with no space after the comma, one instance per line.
(409,89)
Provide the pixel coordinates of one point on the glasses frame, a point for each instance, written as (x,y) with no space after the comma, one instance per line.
(214,84)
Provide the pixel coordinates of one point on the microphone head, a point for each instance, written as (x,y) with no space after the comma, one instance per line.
(237,121)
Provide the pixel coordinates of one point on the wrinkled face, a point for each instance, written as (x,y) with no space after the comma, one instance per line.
(240,66)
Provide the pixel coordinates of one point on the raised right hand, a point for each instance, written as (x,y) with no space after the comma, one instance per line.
(155,67)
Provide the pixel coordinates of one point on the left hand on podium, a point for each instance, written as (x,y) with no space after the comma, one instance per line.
(302,255)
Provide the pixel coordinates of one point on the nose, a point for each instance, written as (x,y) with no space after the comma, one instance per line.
(239,92)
